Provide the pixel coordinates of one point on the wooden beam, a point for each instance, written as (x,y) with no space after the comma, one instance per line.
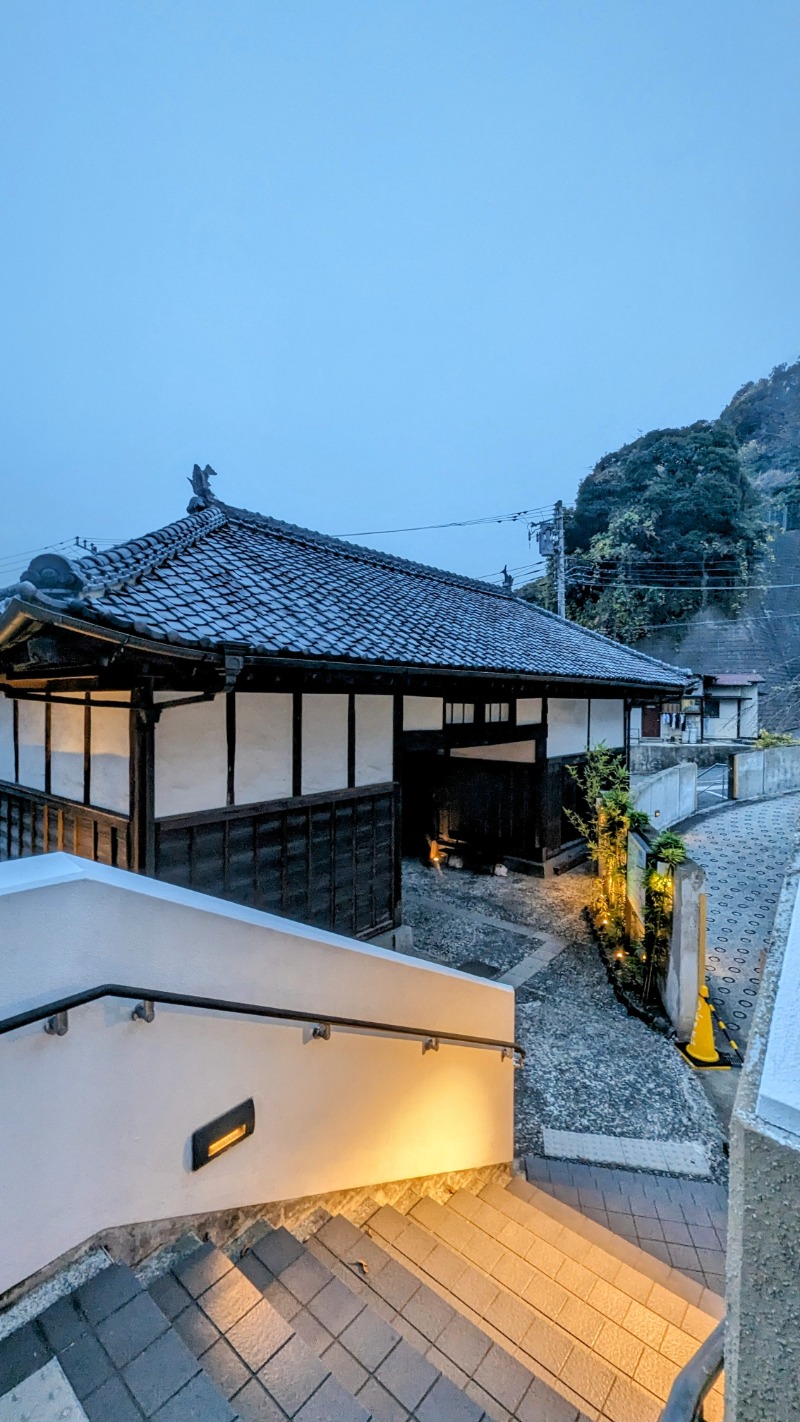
(142,782)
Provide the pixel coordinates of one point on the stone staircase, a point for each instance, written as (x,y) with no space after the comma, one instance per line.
(493,1305)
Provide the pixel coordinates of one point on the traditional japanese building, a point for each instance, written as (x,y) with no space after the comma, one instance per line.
(272,715)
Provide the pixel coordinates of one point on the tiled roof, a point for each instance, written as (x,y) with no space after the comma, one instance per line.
(223,576)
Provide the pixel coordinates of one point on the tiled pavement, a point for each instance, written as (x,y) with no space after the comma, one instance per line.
(743,850)
(507,1306)
(681,1222)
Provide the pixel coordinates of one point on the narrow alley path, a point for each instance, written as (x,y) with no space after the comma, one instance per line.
(743,849)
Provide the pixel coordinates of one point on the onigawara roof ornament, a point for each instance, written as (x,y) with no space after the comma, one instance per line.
(508,581)
(203,495)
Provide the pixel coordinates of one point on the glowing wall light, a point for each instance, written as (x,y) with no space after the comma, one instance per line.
(218,1136)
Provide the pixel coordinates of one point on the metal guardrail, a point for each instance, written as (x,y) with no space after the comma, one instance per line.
(55,1017)
(694,1382)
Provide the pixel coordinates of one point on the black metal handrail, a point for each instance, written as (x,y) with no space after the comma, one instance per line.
(51,1011)
(694,1382)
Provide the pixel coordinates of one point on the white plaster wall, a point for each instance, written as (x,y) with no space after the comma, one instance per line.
(567,725)
(374,739)
(607,723)
(523,752)
(6,739)
(111,750)
(636,724)
(749,715)
(529,710)
(422,713)
(263,763)
(110,1107)
(668,796)
(324,743)
(31,743)
(725,726)
(66,748)
(191,770)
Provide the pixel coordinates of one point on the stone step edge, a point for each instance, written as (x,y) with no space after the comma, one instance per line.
(352,1282)
(673,1279)
(576,1344)
(425,1215)
(346,1272)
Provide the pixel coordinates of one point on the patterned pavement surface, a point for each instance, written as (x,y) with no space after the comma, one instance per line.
(743,850)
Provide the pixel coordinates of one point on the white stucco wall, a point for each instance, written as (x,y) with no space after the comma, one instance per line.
(374,739)
(636,724)
(523,752)
(263,761)
(567,725)
(6,739)
(529,710)
(422,713)
(30,734)
(110,760)
(110,1107)
(66,748)
(191,756)
(324,742)
(607,723)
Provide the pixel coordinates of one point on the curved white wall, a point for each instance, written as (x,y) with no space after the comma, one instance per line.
(101,1118)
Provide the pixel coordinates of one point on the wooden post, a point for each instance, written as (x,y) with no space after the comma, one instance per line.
(142,762)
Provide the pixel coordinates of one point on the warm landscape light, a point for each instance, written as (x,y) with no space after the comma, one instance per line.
(219,1135)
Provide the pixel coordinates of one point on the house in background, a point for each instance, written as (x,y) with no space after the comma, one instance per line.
(271,715)
(716,707)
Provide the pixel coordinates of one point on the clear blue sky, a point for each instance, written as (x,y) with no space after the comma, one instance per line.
(380,262)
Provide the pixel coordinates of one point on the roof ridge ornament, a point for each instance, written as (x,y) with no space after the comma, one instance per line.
(203,495)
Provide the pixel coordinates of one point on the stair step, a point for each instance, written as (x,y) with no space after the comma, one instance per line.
(383,1366)
(109,1345)
(258,1360)
(477,1357)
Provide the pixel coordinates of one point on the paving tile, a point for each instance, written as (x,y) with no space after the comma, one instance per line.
(225,1368)
(683,1256)
(292,1375)
(503,1377)
(588,1375)
(170,1295)
(380,1403)
(609,1300)
(339,1234)
(648,1228)
(464,1343)
(618,1347)
(312,1332)
(159,1372)
(575,1278)
(201,1269)
(42,1396)
(510,1316)
(415,1243)
(196,1330)
(656,1373)
(335,1306)
(643,1323)
(514,1273)
(344,1367)
(199,1399)
(332,1403)
(61,1324)
(387,1222)
(547,1345)
(675,1232)
(256,1272)
(494,1410)
(581,1320)
(369,1339)
(259,1334)
(85,1364)
(396,1284)
(107,1291)
(128,1331)
(447,1403)
(474,1289)
(543,1404)
(305,1276)
(277,1250)
(280,1298)
(111,1403)
(229,1299)
(21,1354)
(254,1404)
(447,1367)
(678,1346)
(428,1312)
(406,1375)
(627,1402)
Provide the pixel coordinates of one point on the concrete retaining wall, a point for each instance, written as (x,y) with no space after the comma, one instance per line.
(680,990)
(651,756)
(97,1124)
(668,796)
(767,772)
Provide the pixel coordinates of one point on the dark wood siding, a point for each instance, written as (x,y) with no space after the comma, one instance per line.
(327,860)
(491,808)
(34,823)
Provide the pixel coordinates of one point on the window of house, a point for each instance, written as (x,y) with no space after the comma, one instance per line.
(459,713)
(498,711)
(712,709)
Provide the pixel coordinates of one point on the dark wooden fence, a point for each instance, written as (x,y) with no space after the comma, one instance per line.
(34,823)
(329,860)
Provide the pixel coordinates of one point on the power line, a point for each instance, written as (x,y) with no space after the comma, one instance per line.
(455,523)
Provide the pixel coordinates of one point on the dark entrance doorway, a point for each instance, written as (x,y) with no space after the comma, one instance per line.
(486,809)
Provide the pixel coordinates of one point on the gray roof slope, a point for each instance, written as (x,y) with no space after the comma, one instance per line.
(225,576)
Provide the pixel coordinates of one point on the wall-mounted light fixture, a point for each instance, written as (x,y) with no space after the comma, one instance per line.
(218,1136)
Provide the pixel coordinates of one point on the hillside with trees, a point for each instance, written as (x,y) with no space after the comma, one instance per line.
(681,519)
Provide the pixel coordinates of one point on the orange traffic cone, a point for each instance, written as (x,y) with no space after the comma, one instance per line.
(702,1048)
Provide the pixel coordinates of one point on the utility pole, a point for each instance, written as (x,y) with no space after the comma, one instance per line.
(561,577)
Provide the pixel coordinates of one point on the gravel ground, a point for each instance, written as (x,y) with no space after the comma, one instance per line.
(589,1066)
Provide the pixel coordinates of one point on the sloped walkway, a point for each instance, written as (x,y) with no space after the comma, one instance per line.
(743,849)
